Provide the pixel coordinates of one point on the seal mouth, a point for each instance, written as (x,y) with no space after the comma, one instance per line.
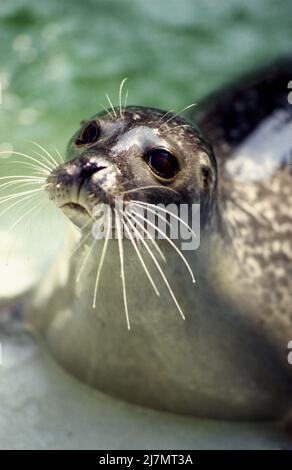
(73,207)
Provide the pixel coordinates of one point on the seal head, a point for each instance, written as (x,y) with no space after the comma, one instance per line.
(154,155)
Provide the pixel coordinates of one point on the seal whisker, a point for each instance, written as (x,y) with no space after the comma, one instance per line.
(167,212)
(61,158)
(81,241)
(42,165)
(169,241)
(152,212)
(29,211)
(102,258)
(108,112)
(20,182)
(121,253)
(120,97)
(180,112)
(46,160)
(138,253)
(134,190)
(111,105)
(16,203)
(155,244)
(161,273)
(26,177)
(85,260)
(49,159)
(39,170)
(165,114)
(4,199)
(125,101)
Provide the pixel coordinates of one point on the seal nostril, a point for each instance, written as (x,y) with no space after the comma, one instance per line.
(89,168)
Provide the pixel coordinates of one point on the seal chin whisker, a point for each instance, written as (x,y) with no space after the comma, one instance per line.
(102,258)
(121,254)
(86,258)
(162,209)
(140,188)
(83,238)
(138,252)
(149,237)
(159,269)
(168,239)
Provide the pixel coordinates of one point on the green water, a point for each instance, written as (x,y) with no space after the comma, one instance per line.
(58,58)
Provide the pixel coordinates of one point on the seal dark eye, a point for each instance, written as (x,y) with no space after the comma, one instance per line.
(89,133)
(163,163)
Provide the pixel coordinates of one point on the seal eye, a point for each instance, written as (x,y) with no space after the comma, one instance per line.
(89,134)
(163,163)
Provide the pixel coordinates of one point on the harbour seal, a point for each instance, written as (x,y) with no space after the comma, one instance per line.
(216,348)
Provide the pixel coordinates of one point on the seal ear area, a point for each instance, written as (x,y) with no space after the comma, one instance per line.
(208,177)
(89,133)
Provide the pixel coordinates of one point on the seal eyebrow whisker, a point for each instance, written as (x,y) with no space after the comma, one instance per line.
(108,112)
(120,97)
(138,252)
(167,212)
(102,258)
(182,126)
(125,102)
(161,273)
(53,161)
(111,105)
(121,253)
(165,114)
(180,112)
(168,239)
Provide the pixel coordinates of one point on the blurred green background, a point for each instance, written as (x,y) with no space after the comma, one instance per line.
(58,58)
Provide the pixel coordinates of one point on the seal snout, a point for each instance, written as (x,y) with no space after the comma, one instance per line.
(91,167)
(79,184)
